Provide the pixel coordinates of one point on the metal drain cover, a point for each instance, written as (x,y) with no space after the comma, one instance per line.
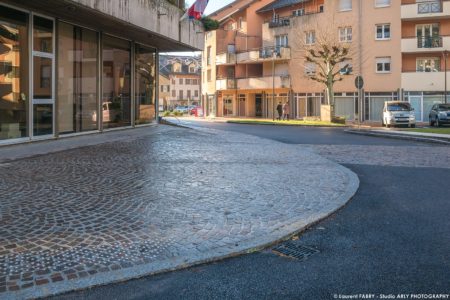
(292,250)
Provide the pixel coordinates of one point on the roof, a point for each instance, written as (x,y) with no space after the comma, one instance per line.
(166,62)
(279,4)
(230,9)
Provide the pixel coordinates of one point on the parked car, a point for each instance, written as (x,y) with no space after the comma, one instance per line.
(181,109)
(439,114)
(193,109)
(398,113)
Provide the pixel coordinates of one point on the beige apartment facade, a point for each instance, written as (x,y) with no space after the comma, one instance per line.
(384,49)
(424,44)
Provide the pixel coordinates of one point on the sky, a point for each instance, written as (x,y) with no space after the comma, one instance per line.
(212,6)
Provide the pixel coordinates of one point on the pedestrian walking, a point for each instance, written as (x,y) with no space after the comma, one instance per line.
(279,110)
(286,111)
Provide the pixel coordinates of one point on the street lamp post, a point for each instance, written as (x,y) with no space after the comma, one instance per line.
(445,75)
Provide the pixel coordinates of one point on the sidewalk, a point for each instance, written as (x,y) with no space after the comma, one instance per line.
(150,200)
(401,134)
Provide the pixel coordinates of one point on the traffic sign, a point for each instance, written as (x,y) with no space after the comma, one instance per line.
(359,82)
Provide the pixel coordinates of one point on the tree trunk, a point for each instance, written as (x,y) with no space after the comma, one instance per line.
(330,95)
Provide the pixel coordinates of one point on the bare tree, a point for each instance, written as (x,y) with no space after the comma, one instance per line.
(319,46)
(330,59)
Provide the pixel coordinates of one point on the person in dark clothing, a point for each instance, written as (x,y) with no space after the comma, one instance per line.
(279,110)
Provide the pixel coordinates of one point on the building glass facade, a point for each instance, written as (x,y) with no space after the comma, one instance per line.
(145,71)
(77,79)
(58,78)
(14,88)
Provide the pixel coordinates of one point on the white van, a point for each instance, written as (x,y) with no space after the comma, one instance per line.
(398,113)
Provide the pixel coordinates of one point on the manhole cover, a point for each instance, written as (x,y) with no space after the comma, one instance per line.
(292,250)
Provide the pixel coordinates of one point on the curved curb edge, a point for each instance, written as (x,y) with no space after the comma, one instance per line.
(220,253)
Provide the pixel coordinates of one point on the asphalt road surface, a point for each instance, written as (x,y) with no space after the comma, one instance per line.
(393,237)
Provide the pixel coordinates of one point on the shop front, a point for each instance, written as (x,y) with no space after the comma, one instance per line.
(60,78)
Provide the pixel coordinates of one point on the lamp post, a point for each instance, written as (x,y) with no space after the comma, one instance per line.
(445,54)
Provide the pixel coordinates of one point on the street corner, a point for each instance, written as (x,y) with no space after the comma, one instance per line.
(84,217)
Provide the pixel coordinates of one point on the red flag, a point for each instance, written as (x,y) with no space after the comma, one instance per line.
(197,9)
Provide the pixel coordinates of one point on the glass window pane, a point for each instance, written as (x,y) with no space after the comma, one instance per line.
(379,32)
(42,81)
(145,85)
(13,74)
(77,79)
(42,119)
(379,67)
(116,83)
(42,35)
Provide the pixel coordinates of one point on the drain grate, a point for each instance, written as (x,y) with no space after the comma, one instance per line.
(292,250)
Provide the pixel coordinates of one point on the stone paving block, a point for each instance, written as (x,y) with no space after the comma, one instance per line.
(154,202)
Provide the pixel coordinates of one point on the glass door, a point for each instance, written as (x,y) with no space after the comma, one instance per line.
(427,35)
(43,84)
(416,103)
(258,105)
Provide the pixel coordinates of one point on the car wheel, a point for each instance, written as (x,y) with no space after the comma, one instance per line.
(431,121)
(413,125)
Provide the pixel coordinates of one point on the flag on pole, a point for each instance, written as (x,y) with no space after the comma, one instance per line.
(196,10)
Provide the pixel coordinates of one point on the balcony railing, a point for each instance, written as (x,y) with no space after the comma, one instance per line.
(286,21)
(429,42)
(276,52)
(429,7)
(279,22)
(226,83)
(266,82)
(225,58)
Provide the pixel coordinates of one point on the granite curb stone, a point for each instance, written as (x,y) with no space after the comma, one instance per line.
(396,135)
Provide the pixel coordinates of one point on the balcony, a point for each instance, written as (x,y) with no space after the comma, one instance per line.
(425,44)
(279,22)
(424,10)
(278,53)
(225,84)
(267,82)
(226,59)
(424,81)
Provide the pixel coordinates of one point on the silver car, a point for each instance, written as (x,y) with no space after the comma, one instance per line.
(398,113)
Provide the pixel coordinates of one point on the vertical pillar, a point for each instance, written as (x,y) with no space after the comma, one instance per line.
(132,83)
(99,82)
(157,85)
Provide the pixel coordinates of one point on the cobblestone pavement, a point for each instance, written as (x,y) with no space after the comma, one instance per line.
(141,205)
(395,156)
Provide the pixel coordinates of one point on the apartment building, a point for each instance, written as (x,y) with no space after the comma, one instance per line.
(164,92)
(233,83)
(394,45)
(183,73)
(74,67)
(425,41)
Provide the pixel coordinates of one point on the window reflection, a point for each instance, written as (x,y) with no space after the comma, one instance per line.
(42,119)
(42,35)
(77,79)
(13,73)
(42,83)
(116,104)
(145,85)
